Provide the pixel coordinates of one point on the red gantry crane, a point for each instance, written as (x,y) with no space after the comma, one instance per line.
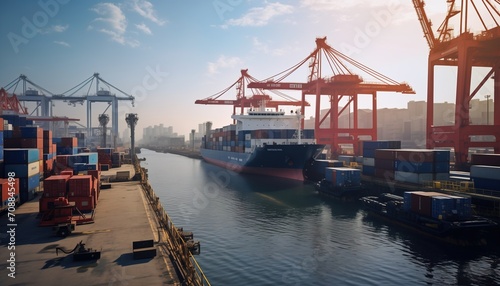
(343,85)
(255,100)
(464,51)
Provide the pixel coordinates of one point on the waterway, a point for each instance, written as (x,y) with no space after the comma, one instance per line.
(263,231)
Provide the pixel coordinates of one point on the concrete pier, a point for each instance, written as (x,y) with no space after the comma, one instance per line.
(122,215)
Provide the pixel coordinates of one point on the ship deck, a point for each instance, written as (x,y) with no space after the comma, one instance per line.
(122,216)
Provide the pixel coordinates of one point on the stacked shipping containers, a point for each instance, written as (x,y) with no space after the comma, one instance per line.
(438,205)
(104,157)
(53,187)
(412,165)
(343,177)
(25,164)
(66,145)
(369,148)
(226,138)
(83,190)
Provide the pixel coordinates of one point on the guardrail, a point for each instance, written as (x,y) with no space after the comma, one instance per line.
(184,260)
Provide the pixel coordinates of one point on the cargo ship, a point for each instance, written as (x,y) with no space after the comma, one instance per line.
(441,216)
(262,142)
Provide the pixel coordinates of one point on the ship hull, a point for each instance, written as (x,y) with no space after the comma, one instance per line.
(284,161)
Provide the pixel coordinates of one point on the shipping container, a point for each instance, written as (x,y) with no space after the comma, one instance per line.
(29,183)
(413,167)
(442,156)
(415,155)
(80,186)
(384,164)
(442,207)
(86,158)
(487,184)
(386,154)
(485,172)
(22,170)
(21,156)
(9,189)
(56,186)
(485,159)
(31,132)
(341,177)
(368,161)
(414,178)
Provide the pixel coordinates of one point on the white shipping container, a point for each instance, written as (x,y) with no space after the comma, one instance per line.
(369,162)
(410,177)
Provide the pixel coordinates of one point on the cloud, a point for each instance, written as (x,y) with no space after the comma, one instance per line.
(146,10)
(260,16)
(223,62)
(54,29)
(114,23)
(62,43)
(264,48)
(323,5)
(145,29)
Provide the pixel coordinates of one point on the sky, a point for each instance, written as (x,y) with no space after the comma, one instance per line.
(167,54)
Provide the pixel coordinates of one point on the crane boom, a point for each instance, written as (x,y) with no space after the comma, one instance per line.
(425,22)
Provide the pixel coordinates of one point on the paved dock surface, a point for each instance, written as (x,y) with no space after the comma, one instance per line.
(122,216)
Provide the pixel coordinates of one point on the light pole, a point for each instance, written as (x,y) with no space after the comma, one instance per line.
(131,119)
(487,109)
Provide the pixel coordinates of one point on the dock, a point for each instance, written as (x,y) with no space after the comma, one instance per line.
(123,215)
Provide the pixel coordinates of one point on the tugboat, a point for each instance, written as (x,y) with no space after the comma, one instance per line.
(444,217)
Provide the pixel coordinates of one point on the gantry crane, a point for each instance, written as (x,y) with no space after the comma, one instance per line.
(342,84)
(255,100)
(44,100)
(10,103)
(463,51)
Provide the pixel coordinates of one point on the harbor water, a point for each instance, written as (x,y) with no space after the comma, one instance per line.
(265,231)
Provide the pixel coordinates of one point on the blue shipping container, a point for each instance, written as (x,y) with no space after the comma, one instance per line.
(407,201)
(442,167)
(29,131)
(1,152)
(442,206)
(487,184)
(85,158)
(8,134)
(20,156)
(31,183)
(441,156)
(1,137)
(343,176)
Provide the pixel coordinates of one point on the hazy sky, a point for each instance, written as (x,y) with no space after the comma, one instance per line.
(170,53)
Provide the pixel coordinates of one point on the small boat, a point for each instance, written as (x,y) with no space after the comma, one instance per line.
(455,227)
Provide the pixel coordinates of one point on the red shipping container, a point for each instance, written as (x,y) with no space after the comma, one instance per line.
(80,186)
(421,202)
(31,143)
(68,142)
(56,186)
(1,124)
(12,142)
(4,184)
(415,155)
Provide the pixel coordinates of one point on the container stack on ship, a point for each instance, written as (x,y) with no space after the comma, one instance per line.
(262,142)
